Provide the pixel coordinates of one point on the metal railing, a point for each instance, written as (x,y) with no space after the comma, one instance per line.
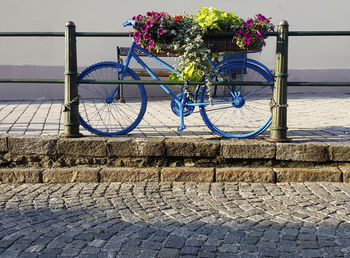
(278,128)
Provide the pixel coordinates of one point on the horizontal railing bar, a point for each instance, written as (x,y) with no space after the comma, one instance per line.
(126,34)
(102,34)
(319,33)
(31,34)
(31,81)
(322,84)
(148,82)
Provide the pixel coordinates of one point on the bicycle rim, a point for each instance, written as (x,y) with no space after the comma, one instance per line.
(238,111)
(103,113)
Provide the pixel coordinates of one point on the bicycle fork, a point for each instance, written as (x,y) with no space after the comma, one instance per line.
(182,120)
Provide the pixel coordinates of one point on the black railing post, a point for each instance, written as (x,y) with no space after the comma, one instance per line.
(71,97)
(278,128)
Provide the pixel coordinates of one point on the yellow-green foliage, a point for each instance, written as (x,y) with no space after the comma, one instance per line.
(212,19)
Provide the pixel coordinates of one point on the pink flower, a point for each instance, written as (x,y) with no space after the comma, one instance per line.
(246,41)
(137,35)
(260,17)
(149,23)
(147,36)
(151,44)
(160,31)
(144,28)
(238,32)
(249,23)
(149,14)
(258,34)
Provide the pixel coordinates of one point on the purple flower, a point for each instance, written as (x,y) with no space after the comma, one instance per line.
(260,17)
(246,41)
(238,32)
(147,36)
(249,23)
(160,31)
(158,19)
(258,34)
(137,35)
(149,23)
(151,44)
(149,14)
(272,28)
(144,28)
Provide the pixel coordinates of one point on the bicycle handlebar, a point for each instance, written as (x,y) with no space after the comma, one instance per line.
(129,23)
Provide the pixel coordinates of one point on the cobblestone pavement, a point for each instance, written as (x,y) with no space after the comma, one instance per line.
(318,117)
(171,220)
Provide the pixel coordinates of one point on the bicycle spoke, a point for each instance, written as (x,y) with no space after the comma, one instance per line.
(101,114)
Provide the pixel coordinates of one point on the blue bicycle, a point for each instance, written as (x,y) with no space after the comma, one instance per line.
(233,111)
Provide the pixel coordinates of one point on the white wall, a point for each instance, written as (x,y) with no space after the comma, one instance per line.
(108,15)
(323,53)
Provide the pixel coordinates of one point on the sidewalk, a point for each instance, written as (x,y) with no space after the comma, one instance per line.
(311,117)
(174,220)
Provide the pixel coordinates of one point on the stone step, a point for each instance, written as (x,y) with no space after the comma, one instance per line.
(174,174)
(171,159)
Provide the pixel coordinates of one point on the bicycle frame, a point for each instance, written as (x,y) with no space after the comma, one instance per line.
(133,54)
(180,102)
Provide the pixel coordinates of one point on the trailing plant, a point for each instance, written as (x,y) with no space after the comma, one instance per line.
(185,34)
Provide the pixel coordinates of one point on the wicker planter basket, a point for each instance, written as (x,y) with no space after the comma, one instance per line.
(215,45)
(226,45)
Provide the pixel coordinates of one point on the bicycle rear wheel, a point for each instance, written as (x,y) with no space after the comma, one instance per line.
(109,109)
(238,111)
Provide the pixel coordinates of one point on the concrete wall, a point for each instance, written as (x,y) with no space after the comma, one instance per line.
(311,58)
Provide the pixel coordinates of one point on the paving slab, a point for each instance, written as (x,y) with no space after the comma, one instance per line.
(315,117)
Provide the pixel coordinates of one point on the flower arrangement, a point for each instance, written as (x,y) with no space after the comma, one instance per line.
(160,32)
(154,29)
(252,32)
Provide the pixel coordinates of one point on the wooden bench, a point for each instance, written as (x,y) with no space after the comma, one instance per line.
(123,51)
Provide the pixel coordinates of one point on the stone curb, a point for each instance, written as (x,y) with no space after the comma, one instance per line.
(308,174)
(346,174)
(129,175)
(175,174)
(70,175)
(3,143)
(17,176)
(187,174)
(314,152)
(248,175)
(172,148)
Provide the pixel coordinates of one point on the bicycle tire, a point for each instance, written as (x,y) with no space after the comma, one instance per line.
(238,112)
(102,114)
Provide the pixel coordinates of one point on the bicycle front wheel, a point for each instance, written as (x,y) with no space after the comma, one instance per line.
(110,109)
(238,111)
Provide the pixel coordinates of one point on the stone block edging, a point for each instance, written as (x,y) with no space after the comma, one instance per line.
(227,149)
(174,174)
